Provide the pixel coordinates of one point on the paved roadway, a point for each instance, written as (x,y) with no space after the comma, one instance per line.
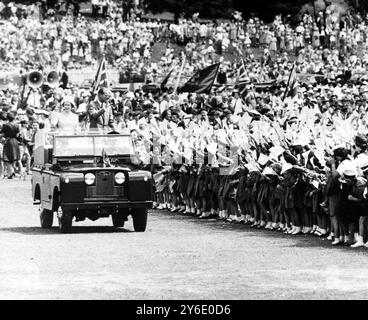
(178,257)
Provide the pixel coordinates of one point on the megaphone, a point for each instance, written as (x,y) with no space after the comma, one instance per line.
(53,79)
(35,79)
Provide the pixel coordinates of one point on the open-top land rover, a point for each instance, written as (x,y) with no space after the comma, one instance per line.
(89,176)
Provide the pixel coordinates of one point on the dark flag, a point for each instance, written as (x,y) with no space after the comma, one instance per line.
(100,79)
(291,84)
(165,80)
(202,80)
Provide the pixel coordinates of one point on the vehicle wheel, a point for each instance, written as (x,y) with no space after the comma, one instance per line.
(117,221)
(139,219)
(46,218)
(65,219)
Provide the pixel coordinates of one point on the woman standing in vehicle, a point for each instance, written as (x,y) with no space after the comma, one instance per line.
(67,120)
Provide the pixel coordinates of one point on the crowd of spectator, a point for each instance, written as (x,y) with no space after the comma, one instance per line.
(287,156)
(324,44)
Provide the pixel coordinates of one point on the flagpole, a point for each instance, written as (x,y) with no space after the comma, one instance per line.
(95,85)
(180,72)
(96,78)
(288,83)
(242,60)
(167,77)
(238,75)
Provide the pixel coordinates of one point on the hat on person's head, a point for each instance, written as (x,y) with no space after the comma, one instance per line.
(350,172)
(68,99)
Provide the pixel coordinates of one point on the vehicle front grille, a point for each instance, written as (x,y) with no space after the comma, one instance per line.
(105,187)
(117,192)
(104,183)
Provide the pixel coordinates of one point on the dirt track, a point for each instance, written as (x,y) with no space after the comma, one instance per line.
(178,257)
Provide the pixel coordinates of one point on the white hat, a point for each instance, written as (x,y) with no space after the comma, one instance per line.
(362,161)
(68,99)
(349,169)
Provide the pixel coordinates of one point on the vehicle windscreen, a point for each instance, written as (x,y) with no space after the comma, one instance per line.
(74,146)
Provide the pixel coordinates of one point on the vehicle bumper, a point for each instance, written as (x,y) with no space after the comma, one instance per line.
(107,205)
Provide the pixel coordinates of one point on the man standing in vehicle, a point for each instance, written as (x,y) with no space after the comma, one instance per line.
(100,112)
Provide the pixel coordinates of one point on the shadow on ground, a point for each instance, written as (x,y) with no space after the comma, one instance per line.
(300,241)
(55,230)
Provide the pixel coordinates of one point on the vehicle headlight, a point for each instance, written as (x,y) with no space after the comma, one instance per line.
(119,178)
(89,178)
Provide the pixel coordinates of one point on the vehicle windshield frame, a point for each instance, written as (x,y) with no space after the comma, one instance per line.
(99,143)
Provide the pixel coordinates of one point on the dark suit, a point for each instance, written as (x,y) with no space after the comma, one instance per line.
(100,118)
(64,80)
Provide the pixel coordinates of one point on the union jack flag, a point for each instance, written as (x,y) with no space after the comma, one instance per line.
(242,76)
(100,78)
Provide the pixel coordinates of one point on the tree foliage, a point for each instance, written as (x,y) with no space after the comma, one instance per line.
(223,8)
(205,8)
(266,9)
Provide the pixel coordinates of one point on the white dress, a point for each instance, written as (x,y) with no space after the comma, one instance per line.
(67,122)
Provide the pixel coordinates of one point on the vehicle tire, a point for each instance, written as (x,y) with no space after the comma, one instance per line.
(46,218)
(65,219)
(117,221)
(139,219)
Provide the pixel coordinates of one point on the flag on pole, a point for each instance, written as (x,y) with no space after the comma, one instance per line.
(242,73)
(202,81)
(291,84)
(242,79)
(100,79)
(165,80)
